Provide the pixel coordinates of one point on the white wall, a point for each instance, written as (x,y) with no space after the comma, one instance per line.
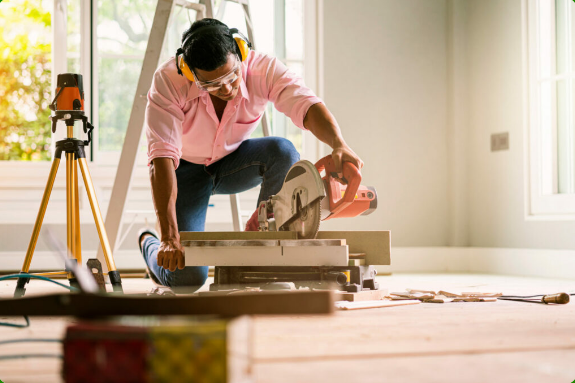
(386,83)
(495,104)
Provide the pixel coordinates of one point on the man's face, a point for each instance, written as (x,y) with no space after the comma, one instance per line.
(222,76)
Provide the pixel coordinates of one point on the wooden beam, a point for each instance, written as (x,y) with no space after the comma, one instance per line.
(89,305)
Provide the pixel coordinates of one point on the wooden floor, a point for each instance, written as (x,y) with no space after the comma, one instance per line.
(452,342)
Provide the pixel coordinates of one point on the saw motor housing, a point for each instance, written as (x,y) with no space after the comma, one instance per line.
(304,187)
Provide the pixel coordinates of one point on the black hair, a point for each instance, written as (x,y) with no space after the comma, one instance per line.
(209,49)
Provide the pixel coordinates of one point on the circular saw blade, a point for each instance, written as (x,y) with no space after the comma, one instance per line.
(307,224)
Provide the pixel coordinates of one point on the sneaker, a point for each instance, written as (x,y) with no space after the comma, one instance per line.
(141,233)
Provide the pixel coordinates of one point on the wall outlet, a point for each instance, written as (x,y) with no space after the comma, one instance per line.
(500,141)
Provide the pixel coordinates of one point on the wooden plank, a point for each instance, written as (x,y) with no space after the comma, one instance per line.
(375,244)
(345,305)
(313,242)
(88,305)
(371,295)
(235,235)
(234,256)
(231,243)
(266,256)
(316,255)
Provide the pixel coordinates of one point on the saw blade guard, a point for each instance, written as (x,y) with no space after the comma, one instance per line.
(302,182)
(346,196)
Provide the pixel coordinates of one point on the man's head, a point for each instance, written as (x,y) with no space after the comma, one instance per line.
(214,58)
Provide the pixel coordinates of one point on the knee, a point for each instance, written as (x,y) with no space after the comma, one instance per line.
(284,150)
(189,279)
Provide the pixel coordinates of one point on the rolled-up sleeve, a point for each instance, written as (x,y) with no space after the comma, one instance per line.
(288,92)
(163,120)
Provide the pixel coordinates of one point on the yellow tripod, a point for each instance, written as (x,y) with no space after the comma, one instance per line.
(75,156)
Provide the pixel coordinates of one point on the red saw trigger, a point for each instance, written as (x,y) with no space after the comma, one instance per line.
(347,197)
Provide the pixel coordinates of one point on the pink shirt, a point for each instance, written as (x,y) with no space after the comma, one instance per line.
(181,121)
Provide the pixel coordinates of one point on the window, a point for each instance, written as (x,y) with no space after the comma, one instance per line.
(110,55)
(25,80)
(551,78)
(122,34)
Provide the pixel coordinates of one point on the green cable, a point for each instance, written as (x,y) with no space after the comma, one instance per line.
(7,324)
(26,275)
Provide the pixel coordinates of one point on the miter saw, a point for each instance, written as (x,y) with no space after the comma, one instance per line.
(288,249)
(306,198)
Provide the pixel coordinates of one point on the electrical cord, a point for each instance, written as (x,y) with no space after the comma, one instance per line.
(8,324)
(559,298)
(21,356)
(26,275)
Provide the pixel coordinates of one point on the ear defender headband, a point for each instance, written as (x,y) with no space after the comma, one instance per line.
(242,43)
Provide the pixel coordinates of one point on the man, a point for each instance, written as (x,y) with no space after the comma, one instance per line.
(202,107)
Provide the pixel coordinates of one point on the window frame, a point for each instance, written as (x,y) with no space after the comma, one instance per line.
(543,202)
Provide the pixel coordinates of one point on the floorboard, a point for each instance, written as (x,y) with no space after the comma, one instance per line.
(450,342)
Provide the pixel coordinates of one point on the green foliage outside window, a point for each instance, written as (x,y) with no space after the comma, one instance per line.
(25,80)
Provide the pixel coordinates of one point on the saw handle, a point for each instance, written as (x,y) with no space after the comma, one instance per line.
(351,177)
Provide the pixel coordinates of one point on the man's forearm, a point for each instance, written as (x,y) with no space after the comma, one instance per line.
(164,194)
(323,125)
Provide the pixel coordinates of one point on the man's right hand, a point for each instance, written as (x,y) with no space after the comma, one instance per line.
(171,255)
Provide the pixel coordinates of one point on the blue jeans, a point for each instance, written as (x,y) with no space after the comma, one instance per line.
(264,161)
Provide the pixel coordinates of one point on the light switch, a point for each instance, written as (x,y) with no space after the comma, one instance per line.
(500,141)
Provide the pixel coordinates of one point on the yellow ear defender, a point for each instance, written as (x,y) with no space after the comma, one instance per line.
(242,42)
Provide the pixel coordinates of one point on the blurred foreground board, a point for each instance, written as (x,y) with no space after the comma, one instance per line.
(90,305)
(154,349)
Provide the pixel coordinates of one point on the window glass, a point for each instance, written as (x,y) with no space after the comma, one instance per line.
(294,49)
(294,29)
(74,38)
(556,95)
(123,30)
(25,79)
(233,17)
(546,38)
(561,43)
(261,13)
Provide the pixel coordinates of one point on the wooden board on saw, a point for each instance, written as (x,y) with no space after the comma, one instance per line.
(235,235)
(368,295)
(376,244)
(322,252)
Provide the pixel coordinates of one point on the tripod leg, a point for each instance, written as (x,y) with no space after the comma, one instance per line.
(77,236)
(112,272)
(21,284)
(72,205)
(78,244)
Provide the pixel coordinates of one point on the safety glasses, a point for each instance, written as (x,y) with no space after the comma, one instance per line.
(216,84)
